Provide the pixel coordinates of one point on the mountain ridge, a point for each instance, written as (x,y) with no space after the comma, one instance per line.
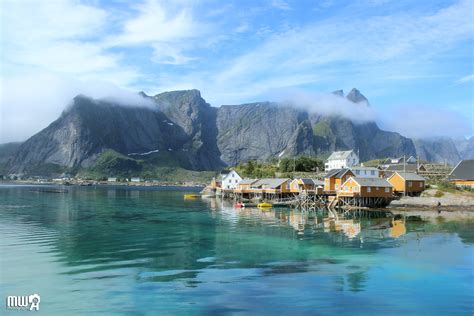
(180,128)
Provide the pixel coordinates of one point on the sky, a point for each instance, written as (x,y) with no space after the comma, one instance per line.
(413,60)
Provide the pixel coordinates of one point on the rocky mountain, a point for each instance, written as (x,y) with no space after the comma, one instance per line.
(180,129)
(465,147)
(8,150)
(438,149)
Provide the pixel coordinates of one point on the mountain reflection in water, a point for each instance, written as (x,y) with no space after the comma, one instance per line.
(120,250)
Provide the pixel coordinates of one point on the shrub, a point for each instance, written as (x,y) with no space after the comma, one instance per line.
(438,194)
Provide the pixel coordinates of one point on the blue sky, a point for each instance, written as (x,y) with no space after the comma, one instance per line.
(412,59)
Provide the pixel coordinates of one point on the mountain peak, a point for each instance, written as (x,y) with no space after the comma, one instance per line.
(193,93)
(355,96)
(338,92)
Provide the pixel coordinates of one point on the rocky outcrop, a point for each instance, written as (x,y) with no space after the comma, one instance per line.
(261,131)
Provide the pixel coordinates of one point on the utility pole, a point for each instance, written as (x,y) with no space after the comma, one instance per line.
(405,174)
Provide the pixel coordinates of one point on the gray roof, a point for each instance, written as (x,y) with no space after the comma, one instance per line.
(340,155)
(273,183)
(307,181)
(463,171)
(409,176)
(365,168)
(372,182)
(248,181)
(318,182)
(400,167)
(338,173)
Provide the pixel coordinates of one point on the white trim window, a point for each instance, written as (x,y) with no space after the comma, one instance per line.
(387,190)
(369,189)
(410,184)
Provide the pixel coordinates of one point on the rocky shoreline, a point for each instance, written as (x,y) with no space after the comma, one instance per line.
(429,201)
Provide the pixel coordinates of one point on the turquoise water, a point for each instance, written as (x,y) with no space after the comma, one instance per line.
(149,251)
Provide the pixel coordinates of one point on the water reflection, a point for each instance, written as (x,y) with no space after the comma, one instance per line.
(153,250)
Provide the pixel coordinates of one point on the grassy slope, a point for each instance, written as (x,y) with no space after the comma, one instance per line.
(161,167)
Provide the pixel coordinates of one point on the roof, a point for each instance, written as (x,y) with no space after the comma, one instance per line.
(402,167)
(365,168)
(372,182)
(273,183)
(340,155)
(318,182)
(307,181)
(409,176)
(464,170)
(248,181)
(338,173)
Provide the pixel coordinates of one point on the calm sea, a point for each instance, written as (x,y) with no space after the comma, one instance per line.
(105,250)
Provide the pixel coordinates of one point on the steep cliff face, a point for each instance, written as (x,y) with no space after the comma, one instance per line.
(88,127)
(465,147)
(197,118)
(439,149)
(338,133)
(261,131)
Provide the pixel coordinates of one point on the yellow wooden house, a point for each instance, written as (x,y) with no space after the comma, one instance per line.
(366,187)
(335,178)
(407,183)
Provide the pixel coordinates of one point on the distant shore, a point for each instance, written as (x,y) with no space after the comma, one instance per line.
(103,183)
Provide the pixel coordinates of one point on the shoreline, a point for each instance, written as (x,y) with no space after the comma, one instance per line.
(115,184)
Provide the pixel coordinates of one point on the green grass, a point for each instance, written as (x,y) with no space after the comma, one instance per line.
(162,167)
(322,129)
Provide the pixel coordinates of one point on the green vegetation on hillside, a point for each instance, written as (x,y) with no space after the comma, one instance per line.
(258,169)
(160,168)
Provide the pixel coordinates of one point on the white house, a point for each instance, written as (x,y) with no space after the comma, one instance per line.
(230,180)
(135,179)
(342,159)
(365,172)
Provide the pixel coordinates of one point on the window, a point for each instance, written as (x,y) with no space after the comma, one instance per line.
(233,175)
(337,186)
(421,184)
(410,184)
(368,190)
(356,189)
(377,188)
(357,172)
(387,190)
(372,172)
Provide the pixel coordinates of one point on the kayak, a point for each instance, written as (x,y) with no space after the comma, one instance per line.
(191,196)
(239,205)
(264,205)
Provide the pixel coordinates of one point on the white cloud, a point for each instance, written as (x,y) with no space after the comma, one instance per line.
(420,121)
(327,104)
(27,107)
(160,28)
(465,79)
(281,4)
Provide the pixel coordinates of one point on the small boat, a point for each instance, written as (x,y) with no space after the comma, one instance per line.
(239,205)
(191,196)
(264,205)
